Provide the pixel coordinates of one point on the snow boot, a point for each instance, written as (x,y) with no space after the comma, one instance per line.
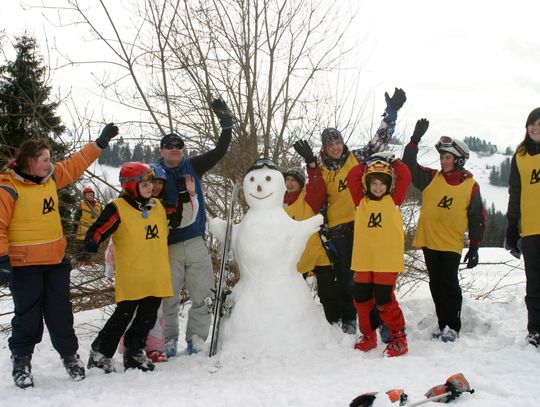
(349,327)
(156,356)
(191,349)
(171,348)
(367,342)
(100,361)
(22,371)
(533,338)
(449,335)
(74,367)
(436,334)
(137,360)
(397,345)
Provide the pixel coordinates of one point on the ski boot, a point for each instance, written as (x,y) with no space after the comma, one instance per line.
(156,356)
(397,345)
(137,360)
(100,361)
(22,371)
(349,327)
(74,367)
(448,334)
(171,348)
(367,342)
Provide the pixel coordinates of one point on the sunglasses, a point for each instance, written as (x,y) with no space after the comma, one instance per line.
(170,146)
(260,163)
(448,142)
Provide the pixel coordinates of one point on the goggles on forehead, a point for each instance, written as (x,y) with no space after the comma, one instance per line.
(147,176)
(448,142)
(260,163)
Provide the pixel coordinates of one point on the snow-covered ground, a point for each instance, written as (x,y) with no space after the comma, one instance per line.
(491,353)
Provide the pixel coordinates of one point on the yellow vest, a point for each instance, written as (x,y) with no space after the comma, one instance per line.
(340,204)
(529,172)
(87,218)
(141,253)
(443,215)
(314,254)
(36,217)
(379,241)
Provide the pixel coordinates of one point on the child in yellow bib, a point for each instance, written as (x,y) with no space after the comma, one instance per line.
(378,248)
(138,225)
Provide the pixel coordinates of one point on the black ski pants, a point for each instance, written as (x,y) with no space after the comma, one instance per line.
(342,236)
(444,286)
(145,310)
(531,257)
(328,292)
(41,293)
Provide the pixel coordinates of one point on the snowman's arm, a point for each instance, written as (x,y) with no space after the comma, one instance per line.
(311,225)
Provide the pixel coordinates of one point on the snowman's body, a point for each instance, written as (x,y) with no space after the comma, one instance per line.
(273,307)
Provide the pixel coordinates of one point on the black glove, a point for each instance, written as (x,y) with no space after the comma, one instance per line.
(223,113)
(304,150)
(511,241)
(419,130)
(397,100)
(6,271)
(108,132)
(90,246)
(471,257)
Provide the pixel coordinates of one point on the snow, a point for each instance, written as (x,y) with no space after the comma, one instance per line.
(491,353)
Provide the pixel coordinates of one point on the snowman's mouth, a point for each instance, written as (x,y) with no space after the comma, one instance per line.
(262,197)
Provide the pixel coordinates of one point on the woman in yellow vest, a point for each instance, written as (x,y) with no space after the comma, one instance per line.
(451,205)
(32,252)
(524,189)
(296,203)
(379,247)
(336,162)
(89,210)
(138,225)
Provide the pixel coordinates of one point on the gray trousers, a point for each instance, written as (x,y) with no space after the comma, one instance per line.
(191,267)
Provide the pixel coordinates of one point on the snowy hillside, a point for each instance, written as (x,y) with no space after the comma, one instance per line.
(491,353)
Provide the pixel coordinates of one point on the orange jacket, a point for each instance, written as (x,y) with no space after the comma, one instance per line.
(63,174)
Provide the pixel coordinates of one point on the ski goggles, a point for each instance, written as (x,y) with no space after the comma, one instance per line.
(260,163)
(174,144)
(448,142)
(146,177)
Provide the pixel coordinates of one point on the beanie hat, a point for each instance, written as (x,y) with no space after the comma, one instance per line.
(171,137)
(331,134)
(298,174)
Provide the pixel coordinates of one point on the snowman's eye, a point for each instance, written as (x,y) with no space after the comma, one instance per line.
(251,179)
(268,177)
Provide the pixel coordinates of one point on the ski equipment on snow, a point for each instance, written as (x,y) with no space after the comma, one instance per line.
(454,386)
(219,303)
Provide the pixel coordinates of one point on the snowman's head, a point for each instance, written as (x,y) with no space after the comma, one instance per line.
(263,185)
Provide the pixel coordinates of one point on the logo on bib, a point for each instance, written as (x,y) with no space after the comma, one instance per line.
(48,205)
(445,202)
(152,232)
(375,220)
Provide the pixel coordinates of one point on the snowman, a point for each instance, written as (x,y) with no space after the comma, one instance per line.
(273,307)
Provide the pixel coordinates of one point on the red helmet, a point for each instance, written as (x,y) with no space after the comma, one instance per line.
(87,190)
(131,173)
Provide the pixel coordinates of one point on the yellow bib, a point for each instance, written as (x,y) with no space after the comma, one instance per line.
(340,204)
(141,253)
(87,218)
(379,241)
(529,172)
(314,254)
(443,215)
(36,217)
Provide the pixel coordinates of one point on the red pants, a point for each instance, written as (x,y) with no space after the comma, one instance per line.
(377,288)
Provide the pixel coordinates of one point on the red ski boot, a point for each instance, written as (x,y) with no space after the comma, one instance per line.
(367,342)
(397,345)
(156,356)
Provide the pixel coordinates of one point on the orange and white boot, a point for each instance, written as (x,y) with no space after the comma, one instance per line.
(367,342)
(397,345)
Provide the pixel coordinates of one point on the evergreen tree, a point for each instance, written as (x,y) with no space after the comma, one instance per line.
(26,111)
(495,228)
(138,152)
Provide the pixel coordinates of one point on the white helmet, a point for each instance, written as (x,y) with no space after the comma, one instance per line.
(457,148)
